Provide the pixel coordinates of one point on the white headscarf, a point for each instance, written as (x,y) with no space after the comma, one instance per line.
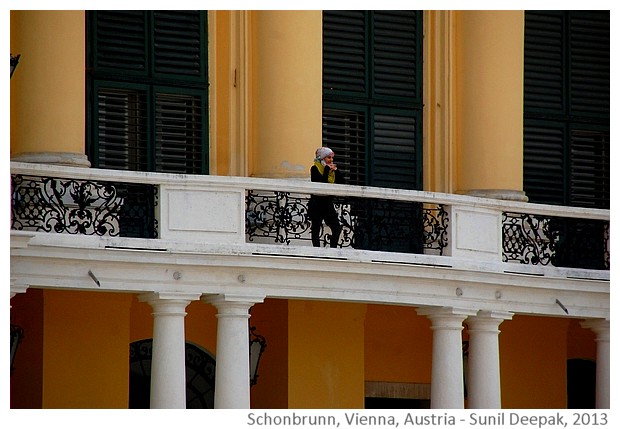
(322,152)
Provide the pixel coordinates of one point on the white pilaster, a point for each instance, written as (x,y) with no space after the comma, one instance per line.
(232,371)
(602,330)
(447,369)
(168,355)
(483,380)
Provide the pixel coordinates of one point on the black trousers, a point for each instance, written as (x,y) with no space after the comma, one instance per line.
(321,209)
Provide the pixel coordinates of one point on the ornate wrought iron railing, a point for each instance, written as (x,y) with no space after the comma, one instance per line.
(368,223)
(558,241)
(84,207)
(123,204)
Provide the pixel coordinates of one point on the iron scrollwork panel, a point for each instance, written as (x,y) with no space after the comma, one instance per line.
(371,224)
(83,207)
(276,215)
(561,242)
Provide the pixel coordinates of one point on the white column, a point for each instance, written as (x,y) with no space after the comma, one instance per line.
(601,329)
(232,371)
(483,380)
(168,355)
(447,369)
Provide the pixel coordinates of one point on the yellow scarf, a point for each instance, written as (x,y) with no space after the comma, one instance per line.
(331,176)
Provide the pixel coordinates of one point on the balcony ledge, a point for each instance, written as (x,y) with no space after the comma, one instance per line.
(143,265)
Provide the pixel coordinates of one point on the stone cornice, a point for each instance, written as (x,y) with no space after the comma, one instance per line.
(288,272)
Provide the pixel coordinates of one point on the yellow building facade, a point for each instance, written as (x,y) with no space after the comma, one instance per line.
(265,107)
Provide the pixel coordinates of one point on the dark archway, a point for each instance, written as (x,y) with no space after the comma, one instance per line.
(581,384)
(199,375)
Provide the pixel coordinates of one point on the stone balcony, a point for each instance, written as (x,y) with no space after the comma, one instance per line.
(92,229)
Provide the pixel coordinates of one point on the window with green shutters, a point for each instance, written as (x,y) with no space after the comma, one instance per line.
(147,90)
(372,95)
(566,108)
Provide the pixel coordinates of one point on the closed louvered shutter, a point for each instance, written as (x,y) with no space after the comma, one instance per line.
(589,64)
(177,43)
(566,108)
(148,90)
(394,155)
(119,41)
(344,52)
(544,155)
(372,95)
(396,56)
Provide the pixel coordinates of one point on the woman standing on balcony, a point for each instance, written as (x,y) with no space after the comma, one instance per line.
(321,207)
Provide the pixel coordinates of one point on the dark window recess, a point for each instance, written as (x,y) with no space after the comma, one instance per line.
(396,403)
(372,96)
(566,108)
(179,133)
(581,384)
(122,128)
(147,91)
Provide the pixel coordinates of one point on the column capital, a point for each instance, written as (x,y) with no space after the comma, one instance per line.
(233,300)
(17,288)
(168,296)
(446,317)
(486,320)
(601,327)
(168,303)
(493,314)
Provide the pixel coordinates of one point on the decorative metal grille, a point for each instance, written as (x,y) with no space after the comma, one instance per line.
(561,242)
(83,207)
(372,224)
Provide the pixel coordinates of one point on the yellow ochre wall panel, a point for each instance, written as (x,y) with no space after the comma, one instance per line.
(533,362)
(398,345)
(326,354)
(85,350)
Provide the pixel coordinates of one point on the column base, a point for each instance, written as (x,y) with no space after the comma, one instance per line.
(69,159)
(498,194)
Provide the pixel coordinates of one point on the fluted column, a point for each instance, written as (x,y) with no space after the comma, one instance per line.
(447,389)
(601,328)
(483,381)
(168,355)
(232,372)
